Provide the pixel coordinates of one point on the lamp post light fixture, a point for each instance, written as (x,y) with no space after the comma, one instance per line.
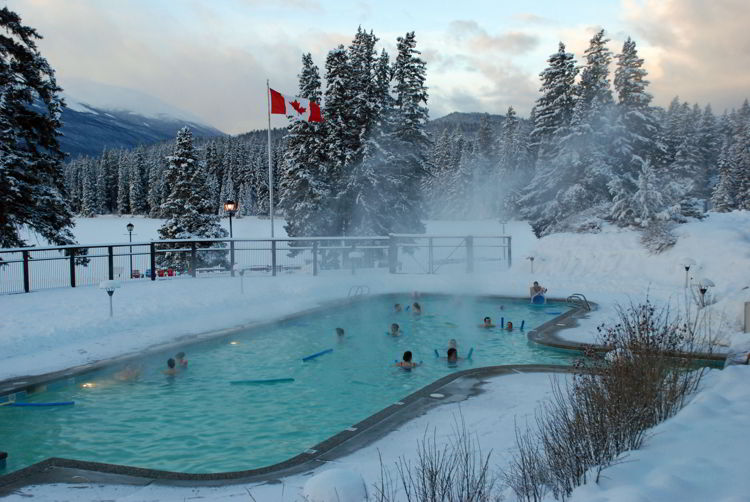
(687,263)
(230,207)
(703,285)
(109,287)
(130,228)
(531,259)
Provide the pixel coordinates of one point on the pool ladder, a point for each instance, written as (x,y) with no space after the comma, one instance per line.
(578,300)
(358,291)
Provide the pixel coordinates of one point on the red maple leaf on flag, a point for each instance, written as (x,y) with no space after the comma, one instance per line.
(298,107)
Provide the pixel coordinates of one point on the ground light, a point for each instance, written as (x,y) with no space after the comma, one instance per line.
(531,259)
(109,287)
(687,263)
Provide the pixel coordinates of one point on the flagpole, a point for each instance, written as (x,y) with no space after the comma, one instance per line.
(270,165)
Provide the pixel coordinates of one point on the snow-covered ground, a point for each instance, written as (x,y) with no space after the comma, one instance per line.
(48,330)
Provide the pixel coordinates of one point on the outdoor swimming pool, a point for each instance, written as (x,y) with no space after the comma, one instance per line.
(198,422)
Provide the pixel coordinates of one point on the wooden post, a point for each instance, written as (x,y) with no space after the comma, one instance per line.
(26,271)
(111,260)
(510,261)
(72,268)
(315,257)
(273,257)
(392,254)
(152,251)
(430,257)
(193,258)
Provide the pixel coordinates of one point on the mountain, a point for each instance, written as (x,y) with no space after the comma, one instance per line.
(99,116)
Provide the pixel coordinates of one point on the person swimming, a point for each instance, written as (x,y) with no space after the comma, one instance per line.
(171,370)
(397,308)
(340,332)
(407,362)
(182,363)
(395,330)
(487,323)
(452,355)
(416,308)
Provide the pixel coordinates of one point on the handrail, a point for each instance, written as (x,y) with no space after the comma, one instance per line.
(578,299)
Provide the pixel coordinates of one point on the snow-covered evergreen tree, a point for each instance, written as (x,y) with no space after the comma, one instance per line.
(137,189)
(305,191)
(187,209)
(123,187)
(32,188)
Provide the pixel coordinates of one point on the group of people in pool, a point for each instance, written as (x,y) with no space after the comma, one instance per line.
(176,364)
(451,356)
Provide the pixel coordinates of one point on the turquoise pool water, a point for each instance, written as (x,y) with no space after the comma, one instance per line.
(197,421)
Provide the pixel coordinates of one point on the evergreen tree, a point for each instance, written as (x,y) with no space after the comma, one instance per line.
(137,187)
(187,209)
(123,186)
(305,195)
(155,189)
(88,203)
(31,180)
(723,197)
(554,108)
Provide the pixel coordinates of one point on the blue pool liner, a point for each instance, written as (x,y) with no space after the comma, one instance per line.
(60,403)
(317,354)
(267,381)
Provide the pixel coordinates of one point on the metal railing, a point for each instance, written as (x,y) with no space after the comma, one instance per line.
(35,268)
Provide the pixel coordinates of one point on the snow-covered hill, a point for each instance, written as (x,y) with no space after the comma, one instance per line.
(101,116)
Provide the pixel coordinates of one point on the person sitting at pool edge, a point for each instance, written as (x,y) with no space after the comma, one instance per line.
(181,361)
(537,290)
(171,370)
(397,308)
(340,331)
(407,362)
(395,330)
(487,323)
(416,308)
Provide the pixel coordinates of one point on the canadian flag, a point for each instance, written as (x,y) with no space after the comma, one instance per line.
(297,108)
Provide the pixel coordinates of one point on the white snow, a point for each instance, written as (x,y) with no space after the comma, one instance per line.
(701,454)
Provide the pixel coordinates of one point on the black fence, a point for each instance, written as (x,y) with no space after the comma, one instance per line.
(35,268)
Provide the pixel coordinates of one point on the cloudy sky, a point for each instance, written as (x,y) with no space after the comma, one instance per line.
(212,57)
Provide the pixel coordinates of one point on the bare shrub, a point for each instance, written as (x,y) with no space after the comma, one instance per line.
(458,471)
(611,402)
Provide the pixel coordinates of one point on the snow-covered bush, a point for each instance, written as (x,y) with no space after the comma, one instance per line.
(658,237)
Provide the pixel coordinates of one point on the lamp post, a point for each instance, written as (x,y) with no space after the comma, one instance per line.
(686,264)
(130,228)
(531,259)
(230,207)
(703,285)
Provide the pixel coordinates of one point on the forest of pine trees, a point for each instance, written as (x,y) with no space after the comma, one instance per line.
(593,150)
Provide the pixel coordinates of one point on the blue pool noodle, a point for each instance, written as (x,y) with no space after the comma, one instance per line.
(262,382)
(61,403)
(437,354)
(522,323)
(553,313)
(317,354)
(471,351)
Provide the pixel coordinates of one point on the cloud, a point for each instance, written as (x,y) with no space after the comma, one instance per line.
(529,18)
(309,5)
(477,38)
(696,49)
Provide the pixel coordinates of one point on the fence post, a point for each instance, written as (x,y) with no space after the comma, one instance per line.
(152,252)
(351,258)
(510,261)
(72,268)
(392,254)
(111,260)
(315,258)
(231,257)
(430,257)
(469,254)
(193,258)
(26,271)
(273,257)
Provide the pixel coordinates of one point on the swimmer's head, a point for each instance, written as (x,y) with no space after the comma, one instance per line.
(536,283)
(452,354)
(510,326)
(397,307)
(416,306)
(487,320)
(170,363)
(340,331)
(407,356)
(452,343)
(394,327)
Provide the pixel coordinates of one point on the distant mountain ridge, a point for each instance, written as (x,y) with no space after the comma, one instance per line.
(466,122)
